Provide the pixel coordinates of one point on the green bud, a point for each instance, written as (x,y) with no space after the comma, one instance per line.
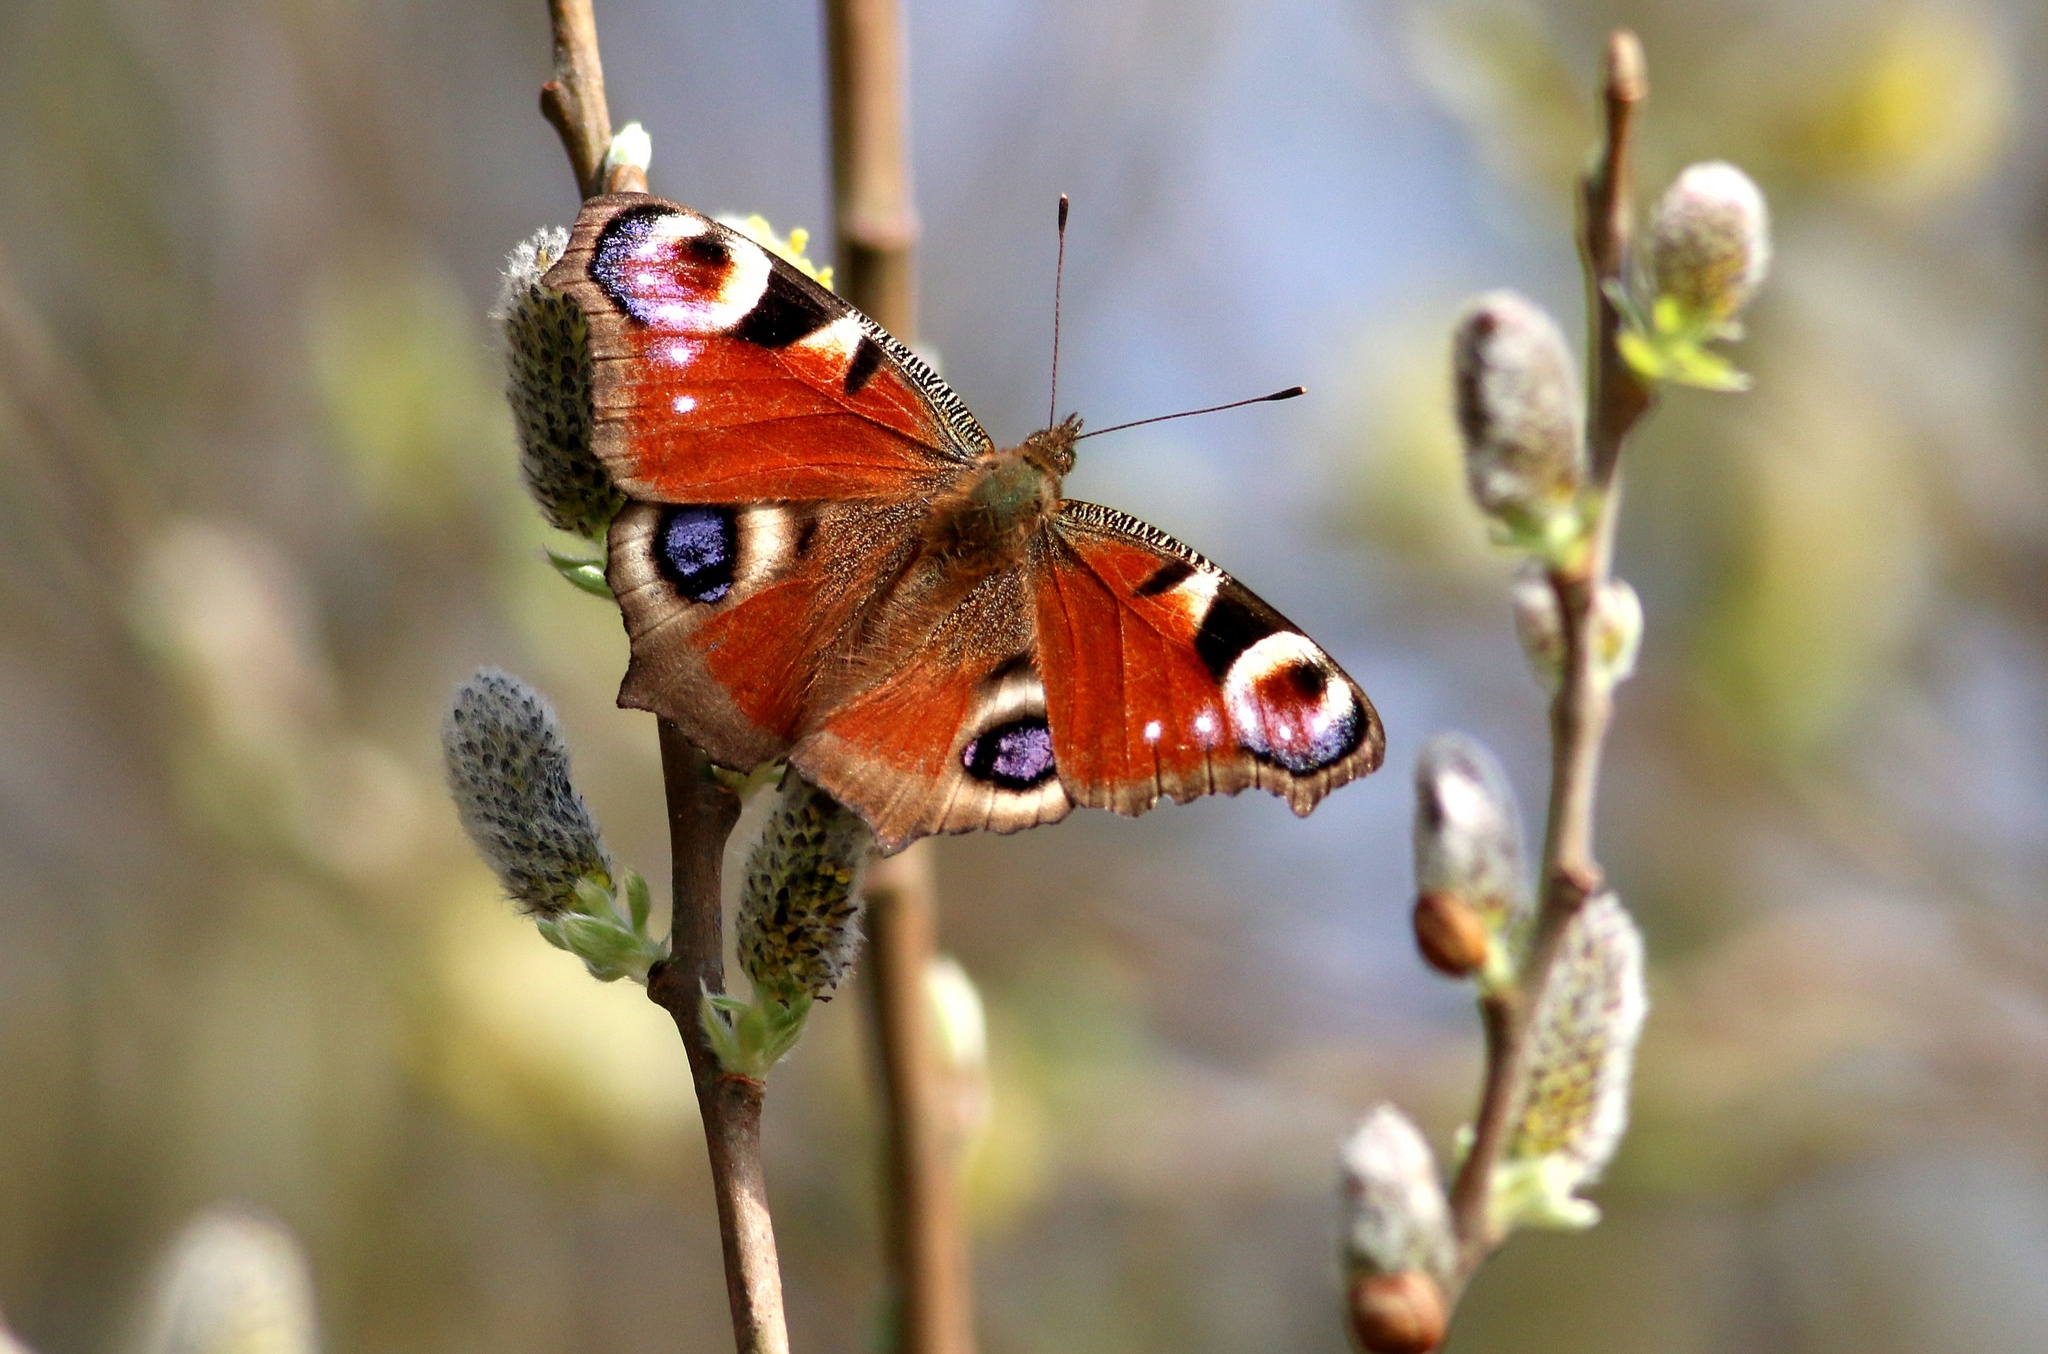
(749,1037)
(1521,418)
(586,574)
(548,366)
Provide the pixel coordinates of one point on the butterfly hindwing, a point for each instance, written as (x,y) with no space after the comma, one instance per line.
(1166,677)
(736,611)
(953,737)
(722,374)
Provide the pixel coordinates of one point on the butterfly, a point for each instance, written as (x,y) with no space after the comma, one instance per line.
(825,560)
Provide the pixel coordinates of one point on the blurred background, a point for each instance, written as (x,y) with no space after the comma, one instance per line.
(261,515)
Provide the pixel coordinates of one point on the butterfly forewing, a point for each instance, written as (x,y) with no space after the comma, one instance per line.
(722,374)
(1167,677)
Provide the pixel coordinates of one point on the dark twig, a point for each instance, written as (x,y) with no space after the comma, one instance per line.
(1579,713)
(876,228)
(701,814)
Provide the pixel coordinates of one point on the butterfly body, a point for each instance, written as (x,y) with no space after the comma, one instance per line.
(825,559)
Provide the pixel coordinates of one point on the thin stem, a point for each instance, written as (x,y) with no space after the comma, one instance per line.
(927,1252)
(573,102)
(1579,713)
(876,227)
(701,814)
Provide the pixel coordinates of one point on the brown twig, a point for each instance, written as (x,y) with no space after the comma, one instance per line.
(701,814)
(927,1253)
(873,217)
(876,228)
(1579,712)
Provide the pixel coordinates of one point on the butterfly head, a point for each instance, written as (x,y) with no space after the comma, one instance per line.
(1051,450)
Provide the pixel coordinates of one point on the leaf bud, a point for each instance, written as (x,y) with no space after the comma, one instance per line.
(1520,416)
(1451,935)
(548,371)
(1401,1313)
(1709,242)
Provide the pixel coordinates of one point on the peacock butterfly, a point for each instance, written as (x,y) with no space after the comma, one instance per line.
(824,559)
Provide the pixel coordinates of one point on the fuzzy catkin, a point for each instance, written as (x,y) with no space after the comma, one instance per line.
(1396,1216)
(1572,1104)
(508,770)
(1468,829)
(1518,407)
(548,369)
(233,1281)
(1710,240)
(799,915)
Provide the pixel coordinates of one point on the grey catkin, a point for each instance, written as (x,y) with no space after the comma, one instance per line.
(548,369)
(508,770)
(799,916)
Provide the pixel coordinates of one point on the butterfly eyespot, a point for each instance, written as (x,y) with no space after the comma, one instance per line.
(1286,709)
(696,549)
(1012,756)
(708,249)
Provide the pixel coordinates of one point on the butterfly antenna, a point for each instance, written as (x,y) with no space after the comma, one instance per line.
(1286,394)
(1059,273)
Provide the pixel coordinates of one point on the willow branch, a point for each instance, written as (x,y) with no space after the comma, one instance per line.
(701,814)
(1580,710)
(927,1252)
(876,228)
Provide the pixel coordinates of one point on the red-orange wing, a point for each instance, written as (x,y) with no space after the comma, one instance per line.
(722,374)
(1164,676)
(951,735)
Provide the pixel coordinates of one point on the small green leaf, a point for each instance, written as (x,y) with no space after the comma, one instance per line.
(1539,1194)
(587,574)
(750,1037)
(1669,344)
(637,902)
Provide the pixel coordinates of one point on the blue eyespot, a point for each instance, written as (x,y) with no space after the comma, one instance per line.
(696,548)
(1012,756)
